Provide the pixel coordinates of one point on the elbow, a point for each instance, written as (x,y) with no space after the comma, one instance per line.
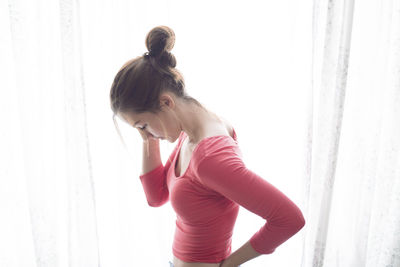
(301,223)
(291,226)
(154,204)
(157,203)
(297,220)
(298,223)
(293,222)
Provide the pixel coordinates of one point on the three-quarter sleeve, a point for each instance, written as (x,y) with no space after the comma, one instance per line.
(155,184)
(223,170)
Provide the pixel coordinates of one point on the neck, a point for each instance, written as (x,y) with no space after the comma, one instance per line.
(194,121)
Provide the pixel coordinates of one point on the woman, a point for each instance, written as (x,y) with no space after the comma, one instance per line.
(204,178)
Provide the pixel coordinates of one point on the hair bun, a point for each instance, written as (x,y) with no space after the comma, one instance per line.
(159,42)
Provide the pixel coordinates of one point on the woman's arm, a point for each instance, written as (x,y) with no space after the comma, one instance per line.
(154,173)
(222,169)
(151,155)
(243,254)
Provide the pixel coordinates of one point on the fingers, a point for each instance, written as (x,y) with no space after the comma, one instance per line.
(144,135)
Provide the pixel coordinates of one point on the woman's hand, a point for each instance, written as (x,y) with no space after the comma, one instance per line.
(145,135)
(226,263)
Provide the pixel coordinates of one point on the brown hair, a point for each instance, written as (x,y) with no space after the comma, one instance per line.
(139,83)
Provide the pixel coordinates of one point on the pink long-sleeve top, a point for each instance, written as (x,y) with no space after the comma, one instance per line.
(206,199)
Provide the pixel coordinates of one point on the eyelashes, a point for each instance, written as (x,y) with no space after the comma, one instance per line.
(144,127)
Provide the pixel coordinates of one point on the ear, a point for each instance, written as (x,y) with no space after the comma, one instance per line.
(167,101)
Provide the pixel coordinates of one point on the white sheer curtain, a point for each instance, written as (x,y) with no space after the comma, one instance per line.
(354,161)
(312,89)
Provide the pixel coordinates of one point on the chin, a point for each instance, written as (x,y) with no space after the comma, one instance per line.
(163,138)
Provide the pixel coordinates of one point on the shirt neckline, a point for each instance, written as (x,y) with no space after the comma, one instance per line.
(194,150)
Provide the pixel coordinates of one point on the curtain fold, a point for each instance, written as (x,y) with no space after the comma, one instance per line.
(354,148)
(45,93)
(332,28)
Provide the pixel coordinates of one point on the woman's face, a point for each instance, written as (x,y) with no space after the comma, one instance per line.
(158,125)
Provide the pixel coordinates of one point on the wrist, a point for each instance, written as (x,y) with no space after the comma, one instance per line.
(228,262)
(151,141)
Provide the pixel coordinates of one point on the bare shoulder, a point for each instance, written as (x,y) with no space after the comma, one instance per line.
(227,126)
